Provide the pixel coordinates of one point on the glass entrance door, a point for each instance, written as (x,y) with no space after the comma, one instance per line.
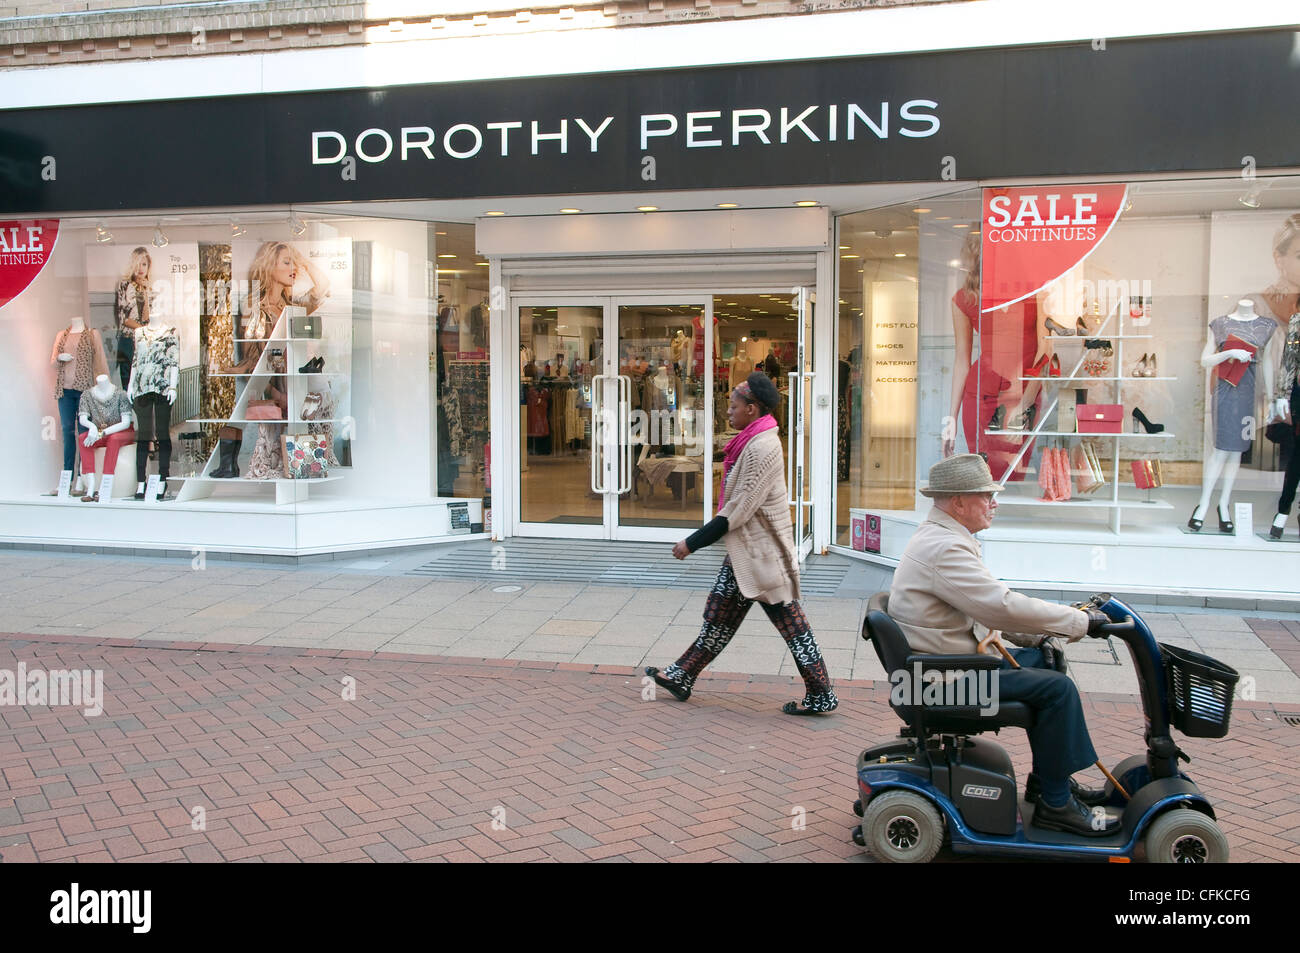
(615,435)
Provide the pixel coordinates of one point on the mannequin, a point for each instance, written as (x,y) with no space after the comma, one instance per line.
(678,345)
(78,356)
(105,414)
(1233,406)
(152,390)
(1286,402)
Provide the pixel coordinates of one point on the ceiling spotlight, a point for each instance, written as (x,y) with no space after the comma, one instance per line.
(1252,198)
(296,225)
(102,234)
(237,230)
(159,239)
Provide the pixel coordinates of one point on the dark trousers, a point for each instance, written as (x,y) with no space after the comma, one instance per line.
(1292,477)
(125,356)
(68,404)
(724,611)
(153,421)
(1059,739)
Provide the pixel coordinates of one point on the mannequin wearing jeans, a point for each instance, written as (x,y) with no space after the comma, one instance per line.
(78,356)
(105,413)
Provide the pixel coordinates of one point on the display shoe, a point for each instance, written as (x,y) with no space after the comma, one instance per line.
(1088,797)
(1054,368)
(1195,524)
(1038,368)
(1140,368)
(1073,818)
(1279,524)
(313,366)
(1024,420)
(1225,524)
(1058,330)
(92,498)
(229,468)
(1151,365)
(1141,418)
(999,417)
(1080,328)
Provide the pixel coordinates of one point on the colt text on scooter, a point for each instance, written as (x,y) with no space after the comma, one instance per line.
(977,689)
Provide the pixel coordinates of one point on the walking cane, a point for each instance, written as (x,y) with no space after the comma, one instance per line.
(995,636)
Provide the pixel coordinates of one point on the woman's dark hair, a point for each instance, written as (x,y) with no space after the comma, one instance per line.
(764,392)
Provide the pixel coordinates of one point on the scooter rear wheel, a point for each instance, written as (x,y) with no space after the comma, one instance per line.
(1185,837)
(903,828)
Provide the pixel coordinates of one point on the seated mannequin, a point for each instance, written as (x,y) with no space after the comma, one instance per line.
(105,413)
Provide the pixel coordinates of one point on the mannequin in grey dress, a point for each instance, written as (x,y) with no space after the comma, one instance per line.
(1233,406)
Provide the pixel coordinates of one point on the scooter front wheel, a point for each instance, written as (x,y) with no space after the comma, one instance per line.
(1184,836)
(902,828)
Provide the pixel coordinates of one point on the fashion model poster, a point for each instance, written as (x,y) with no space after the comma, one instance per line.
(130,285)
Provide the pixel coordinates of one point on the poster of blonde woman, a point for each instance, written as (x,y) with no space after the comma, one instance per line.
(292,345)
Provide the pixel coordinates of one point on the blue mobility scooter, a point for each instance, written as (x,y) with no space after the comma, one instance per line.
(940,782)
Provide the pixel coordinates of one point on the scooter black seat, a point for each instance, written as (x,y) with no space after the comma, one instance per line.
(902,665)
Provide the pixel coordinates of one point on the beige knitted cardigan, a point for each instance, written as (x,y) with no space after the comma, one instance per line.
(760,537)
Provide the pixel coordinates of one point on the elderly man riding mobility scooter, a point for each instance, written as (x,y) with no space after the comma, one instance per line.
(941,776)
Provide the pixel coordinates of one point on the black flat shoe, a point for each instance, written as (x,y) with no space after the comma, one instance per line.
(1072,818)
(1089,797)
(681,694)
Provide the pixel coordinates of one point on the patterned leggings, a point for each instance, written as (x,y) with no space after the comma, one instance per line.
(725,610)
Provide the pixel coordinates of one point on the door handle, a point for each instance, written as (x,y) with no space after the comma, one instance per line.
(792,436)
(624,432)
(597,432)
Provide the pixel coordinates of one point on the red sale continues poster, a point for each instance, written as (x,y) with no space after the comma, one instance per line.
(25,247)
(1032,236)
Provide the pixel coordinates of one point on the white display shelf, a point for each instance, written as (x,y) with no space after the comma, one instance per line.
(1101,337)
(229,420)
(273,340)
(1086,503)
(1062,380)
(283,374)
(1073,433)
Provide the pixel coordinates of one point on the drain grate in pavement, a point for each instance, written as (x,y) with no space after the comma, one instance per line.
(617,564)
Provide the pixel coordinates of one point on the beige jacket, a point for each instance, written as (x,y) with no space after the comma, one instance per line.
(942,590)
(760,536)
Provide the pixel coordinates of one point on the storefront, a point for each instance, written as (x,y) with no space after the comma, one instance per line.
(522,304)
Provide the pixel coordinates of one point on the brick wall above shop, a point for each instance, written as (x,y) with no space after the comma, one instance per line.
(44,33)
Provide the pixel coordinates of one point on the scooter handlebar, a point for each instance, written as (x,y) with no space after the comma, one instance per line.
(1114,628)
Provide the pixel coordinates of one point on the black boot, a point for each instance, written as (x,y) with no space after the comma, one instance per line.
(229,459)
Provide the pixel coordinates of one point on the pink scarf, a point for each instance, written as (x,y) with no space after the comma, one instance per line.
(731,452)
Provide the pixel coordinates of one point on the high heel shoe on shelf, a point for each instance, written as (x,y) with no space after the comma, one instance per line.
(1024,420)
(1225,524)
(1054,367)
(313,366)
(1141,418)
(1039,367)
(999,417)
(1058,330)
(1080,328)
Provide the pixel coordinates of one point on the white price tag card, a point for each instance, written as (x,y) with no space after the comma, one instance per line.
(1243,522)
(151,489)
(65,484)
(106,489)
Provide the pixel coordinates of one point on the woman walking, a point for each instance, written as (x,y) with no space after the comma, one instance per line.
(754,519)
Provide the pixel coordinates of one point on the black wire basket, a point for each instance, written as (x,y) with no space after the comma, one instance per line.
(1200,692)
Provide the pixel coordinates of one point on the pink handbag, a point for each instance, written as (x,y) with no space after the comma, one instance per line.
(263,410)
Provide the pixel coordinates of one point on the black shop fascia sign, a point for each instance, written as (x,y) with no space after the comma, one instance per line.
(1173,104)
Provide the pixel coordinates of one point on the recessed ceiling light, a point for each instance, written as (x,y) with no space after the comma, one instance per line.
(900,254)
(850,256)
(805,203)
(942,218)
(570,211)
(446,255)
(482,264)
(920,211)
(728,205)
(494,213)
(647,208)
(845,247)
(440,233)
(961,225)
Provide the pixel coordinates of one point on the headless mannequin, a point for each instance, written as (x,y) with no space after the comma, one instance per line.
(102,390)
(1228,462)
(63,358)
(173,378)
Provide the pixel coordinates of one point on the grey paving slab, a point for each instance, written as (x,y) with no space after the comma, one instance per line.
(1198,621)
(348,639)
(570,626)
(424,638)
(620,634)
(571,644)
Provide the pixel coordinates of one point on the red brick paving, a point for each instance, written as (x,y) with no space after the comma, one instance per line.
(413,768)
